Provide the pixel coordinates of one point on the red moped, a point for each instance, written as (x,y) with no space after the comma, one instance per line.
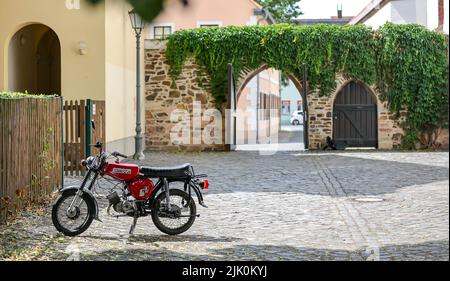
(173,210)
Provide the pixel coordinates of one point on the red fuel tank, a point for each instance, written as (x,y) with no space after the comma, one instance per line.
(123,172)
(141,188)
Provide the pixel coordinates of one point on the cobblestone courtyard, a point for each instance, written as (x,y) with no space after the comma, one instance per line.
(286,206)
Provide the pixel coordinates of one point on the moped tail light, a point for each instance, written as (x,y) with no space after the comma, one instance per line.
(204,184)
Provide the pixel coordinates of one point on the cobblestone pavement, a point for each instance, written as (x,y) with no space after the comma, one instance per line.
(287,206)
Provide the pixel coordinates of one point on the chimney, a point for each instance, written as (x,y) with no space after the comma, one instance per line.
(339,11)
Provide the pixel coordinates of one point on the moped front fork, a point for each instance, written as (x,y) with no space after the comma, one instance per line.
(81,191)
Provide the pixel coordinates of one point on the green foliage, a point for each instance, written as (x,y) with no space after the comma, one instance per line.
(413,75)
(283,11)
(14,95)
(326,49)
(407,63)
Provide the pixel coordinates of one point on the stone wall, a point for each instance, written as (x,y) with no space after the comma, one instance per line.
(164,95)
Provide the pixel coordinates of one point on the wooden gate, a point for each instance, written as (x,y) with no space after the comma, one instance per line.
(78,132)
(355,117)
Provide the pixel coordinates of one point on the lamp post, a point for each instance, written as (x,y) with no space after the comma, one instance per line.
(138,25)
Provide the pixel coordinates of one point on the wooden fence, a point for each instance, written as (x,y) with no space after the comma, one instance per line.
(30,151)
(78,133)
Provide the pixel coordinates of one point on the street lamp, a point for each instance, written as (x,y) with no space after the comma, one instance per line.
(138,25)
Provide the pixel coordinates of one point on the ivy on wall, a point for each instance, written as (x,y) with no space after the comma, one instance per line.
(412,66)
(407,63)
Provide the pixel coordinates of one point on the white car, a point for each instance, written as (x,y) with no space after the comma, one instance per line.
(297,118)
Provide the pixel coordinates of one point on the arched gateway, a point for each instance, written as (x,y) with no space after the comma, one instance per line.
(379,128)
(34,60)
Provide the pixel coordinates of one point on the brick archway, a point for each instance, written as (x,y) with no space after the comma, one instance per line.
(164,94)
(247,75)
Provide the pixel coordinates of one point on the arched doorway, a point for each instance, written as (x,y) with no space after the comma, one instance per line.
(34,61)
(271,111)
(355,121)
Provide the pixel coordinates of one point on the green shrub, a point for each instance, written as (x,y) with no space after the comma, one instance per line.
(15,95)
(407,63)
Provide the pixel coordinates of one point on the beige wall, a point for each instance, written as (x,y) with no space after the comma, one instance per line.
(227,12)
(105,72)
(120,55)
(82,76)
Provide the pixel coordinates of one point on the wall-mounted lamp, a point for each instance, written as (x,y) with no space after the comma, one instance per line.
(82,48)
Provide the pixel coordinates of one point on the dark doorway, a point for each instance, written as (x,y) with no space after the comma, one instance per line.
(35,61)
(355,117)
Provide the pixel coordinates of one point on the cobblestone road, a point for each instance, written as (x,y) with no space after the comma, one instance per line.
(287,206)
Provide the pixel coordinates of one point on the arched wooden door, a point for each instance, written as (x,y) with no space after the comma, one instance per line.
(355,117)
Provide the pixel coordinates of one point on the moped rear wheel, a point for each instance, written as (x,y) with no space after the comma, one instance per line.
(180,218)
(74,221)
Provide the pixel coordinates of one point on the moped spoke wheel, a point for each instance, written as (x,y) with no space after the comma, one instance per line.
(73,219)
(179,217)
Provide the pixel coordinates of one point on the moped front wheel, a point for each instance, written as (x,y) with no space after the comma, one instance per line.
(179,217)
(73,218)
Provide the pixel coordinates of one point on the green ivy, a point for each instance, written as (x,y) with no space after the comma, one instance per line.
(413,75)
(407,63)
(326,49)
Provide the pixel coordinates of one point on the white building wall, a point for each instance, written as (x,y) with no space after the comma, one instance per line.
(381,17)
(432,14)
(423,12)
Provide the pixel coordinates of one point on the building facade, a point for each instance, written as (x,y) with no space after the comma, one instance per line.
(433,14)
(69,48)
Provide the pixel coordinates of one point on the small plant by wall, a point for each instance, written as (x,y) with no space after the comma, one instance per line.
(407,63)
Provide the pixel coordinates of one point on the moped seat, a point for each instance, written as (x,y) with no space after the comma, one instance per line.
(176,172)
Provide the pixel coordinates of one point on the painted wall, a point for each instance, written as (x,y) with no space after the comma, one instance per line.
(224,13)
(120,75)
(381,17)
(424,12)
(107,70)
(81,76)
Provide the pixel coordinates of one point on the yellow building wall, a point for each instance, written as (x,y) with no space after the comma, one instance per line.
(107,70)
(120,56)
(82,76)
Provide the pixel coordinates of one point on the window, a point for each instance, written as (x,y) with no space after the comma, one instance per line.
(209,25)
(161,32)
(285,107)
(300,105)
